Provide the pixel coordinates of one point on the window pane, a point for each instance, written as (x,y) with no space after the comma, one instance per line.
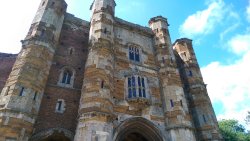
(143,84)
(59,105)
(137,57)
(131,53)
(144,93)
(133,81)
(129,93)
(134,92)
(68,78)
(139,86)
(129,82)
(171,103)
(64,77)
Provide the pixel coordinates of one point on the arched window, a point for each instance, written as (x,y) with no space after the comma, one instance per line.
(136,87)
(66,77)
(134,54)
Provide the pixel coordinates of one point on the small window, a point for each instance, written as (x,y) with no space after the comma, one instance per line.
(21,92)
(35,95)
(43,33)
(71,51)
(190,73)
(102,84)
(66,77)
(105,30)
(171,60)
(181,103)
(163,60)
(52,4)
(60,106)
(171,103)
(134,54)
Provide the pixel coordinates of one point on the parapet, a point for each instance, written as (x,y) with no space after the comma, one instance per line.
(158,18)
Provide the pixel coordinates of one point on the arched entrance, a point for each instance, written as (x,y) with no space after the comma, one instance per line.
(53,134)
(137,129)
(56,137)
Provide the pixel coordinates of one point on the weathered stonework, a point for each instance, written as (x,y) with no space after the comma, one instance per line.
(103,80)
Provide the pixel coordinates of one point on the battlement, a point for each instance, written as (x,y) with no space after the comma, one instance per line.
(133,26)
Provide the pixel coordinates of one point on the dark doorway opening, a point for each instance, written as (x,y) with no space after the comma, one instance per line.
(56,137)
(134,137)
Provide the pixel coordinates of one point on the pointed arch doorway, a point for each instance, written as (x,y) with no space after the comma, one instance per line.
(137,129)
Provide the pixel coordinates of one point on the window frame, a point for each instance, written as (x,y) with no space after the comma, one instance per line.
(136,87)
(134,54)
(68,80)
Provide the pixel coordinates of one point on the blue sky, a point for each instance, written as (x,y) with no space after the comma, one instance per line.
(220,30)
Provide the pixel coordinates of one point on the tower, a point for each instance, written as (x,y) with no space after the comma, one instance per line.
(200,105)
(178,121)
(96,105)
(21,96)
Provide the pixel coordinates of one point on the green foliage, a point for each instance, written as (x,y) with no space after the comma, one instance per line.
(231,130)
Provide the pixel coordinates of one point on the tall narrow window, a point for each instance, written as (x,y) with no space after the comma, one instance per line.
(139,86)
(163,60)
(137,57)
(134,54)
(190,73)
(35,95)
(59,106)
(143,88)
(43,33)
(171,103)
(129,88)
(181,103)
(43,3)
(102,84)
(131,53)
(105,30)
(21,92)
(134,87)
(66,77)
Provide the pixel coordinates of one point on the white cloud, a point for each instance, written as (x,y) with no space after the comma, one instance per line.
(16,17)
(203,22)
(229,84)
(240,44)
(248,12)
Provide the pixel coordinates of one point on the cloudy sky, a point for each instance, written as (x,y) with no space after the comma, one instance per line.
(220,30)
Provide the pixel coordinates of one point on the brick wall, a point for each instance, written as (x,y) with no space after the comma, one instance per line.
(6,63)
(74,36)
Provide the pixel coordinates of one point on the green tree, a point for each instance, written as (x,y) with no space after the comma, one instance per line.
(231,130)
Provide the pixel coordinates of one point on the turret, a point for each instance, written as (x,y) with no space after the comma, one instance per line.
(96,104)
(178,121)
(21,96)
(200,105)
